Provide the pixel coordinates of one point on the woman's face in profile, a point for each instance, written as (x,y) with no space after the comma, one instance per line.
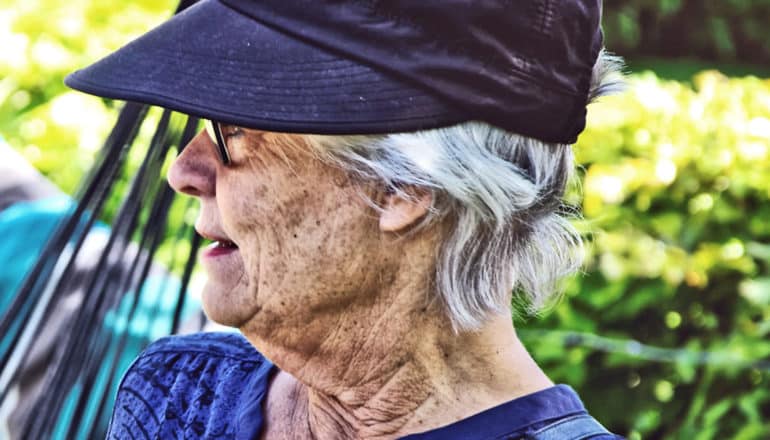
(304,240)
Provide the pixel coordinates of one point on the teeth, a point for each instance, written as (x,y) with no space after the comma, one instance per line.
(227,244)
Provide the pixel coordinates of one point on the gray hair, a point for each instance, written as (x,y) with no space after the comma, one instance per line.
(501,195)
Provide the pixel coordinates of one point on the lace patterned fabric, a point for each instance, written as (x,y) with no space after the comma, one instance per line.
(200,386)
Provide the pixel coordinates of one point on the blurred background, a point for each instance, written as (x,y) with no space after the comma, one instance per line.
(666,334)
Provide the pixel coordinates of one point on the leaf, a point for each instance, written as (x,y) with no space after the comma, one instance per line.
(713,415)
(756,291)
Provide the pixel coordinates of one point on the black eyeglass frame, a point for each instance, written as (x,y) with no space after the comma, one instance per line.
(219,139)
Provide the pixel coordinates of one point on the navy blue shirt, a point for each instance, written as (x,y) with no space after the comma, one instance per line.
(212,385)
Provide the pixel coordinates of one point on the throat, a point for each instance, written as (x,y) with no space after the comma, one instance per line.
(385,410)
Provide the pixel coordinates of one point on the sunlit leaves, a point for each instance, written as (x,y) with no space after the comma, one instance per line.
(677,208)
(42,41)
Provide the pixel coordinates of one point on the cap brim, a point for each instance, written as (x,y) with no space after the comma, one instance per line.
(213,62)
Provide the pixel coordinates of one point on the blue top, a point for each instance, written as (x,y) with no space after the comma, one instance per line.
(212,385)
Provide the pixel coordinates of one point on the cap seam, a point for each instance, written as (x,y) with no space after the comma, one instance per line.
(129,92)
(415,99)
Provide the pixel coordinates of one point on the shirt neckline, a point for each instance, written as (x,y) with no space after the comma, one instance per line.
(551,403)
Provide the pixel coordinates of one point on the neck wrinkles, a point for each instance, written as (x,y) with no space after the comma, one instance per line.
(380,416)
(369,376)
(392,366)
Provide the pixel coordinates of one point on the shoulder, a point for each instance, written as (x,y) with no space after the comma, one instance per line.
(577,427)
(555,413)
(220,345)
(563,416)
(204,385)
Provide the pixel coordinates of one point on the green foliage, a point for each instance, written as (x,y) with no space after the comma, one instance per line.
(676,195)
(56,129)
(714,30)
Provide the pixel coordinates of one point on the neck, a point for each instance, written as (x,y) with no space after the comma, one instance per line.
(385,364)
(442,378)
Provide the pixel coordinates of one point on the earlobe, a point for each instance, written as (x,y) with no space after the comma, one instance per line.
(399,212)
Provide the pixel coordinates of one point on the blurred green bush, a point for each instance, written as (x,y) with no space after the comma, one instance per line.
(55,128)
(667,334)
(676,183)
(725,30)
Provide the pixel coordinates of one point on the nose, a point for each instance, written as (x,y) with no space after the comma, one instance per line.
(194,171)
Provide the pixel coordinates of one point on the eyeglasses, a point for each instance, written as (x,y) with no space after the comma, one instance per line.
(214,130)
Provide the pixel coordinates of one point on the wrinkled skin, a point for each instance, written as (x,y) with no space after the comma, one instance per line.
(337,296)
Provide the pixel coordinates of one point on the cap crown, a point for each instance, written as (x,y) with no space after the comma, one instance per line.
(524,65)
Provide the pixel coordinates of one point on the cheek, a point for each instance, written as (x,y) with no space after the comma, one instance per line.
(328,251)
(303,233)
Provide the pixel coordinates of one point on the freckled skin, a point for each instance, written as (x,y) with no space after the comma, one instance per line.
(329,290)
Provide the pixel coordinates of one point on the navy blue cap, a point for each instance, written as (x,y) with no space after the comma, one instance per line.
(365,66)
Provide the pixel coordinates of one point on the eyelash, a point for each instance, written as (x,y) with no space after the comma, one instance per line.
(231,130)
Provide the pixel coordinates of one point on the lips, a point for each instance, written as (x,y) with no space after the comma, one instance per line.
(219,238)
(218,249)
(221,245)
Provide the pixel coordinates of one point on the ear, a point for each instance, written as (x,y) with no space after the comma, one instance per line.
(399,212)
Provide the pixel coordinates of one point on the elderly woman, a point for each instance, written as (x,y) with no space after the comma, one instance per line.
(380,178)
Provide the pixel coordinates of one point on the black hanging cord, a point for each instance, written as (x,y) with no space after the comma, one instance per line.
(195,243)
(83,369)
(120,339)
(103,281)
(28,298)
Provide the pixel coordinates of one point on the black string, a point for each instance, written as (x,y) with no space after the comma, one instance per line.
(195,242)
(122,133)
(74,343)
(76,226)
(87,346)
(92,352)
(122,337)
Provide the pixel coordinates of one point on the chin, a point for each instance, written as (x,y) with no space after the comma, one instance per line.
(226,306)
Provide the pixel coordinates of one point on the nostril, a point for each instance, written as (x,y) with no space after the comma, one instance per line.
(192,180)
(189,190)
(194,170)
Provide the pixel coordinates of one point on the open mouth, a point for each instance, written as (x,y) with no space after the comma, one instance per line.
(219,248)
(224,244)
(217,245)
